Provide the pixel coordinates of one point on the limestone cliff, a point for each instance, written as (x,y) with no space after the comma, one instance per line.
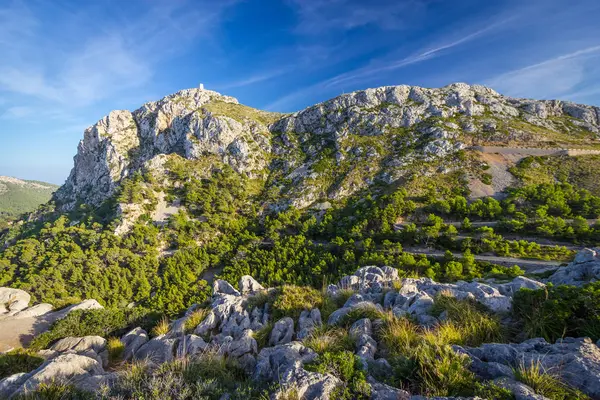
(329,150)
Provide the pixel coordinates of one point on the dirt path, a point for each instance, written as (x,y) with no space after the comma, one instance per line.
(526,264)
(16,333)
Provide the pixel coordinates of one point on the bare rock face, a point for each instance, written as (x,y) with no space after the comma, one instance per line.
(71,368)
(13,300)
(380,131)
(577,361)
(122,142)
(584,269)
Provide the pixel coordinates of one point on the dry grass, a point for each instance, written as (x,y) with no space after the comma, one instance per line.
(195,319)
(161,328)
(326,339)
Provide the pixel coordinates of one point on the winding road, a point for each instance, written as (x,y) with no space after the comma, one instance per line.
(529,265)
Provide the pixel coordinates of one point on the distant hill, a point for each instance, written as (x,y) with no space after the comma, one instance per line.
(20,196)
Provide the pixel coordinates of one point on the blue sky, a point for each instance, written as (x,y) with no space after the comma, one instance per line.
(66,63)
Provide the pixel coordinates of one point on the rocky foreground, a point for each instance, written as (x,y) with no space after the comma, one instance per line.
(233,319)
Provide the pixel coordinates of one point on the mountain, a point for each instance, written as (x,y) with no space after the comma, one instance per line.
(20,196)
(394,242)
(327,151)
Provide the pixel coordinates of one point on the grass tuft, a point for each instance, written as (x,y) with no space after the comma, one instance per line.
(326,339)
(195,319)
(115,349)
(161,328)
(545,383)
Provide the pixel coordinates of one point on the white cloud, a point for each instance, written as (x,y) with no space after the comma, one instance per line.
(100,61)
(557,76)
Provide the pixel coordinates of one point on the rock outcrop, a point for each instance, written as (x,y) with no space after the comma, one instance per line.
(575,361)
(197,124)
(230,326)
(585,268)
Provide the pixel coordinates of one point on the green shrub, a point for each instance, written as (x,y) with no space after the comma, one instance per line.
(558,311)
(346,366)
(18,361)
(291,300)
(422,359)
(263,335)
(115,350)
(102,322)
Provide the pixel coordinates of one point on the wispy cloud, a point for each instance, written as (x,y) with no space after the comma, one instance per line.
(434,50)
(104,60)
(257,78)
(555,77)
(318,16)
(388,63)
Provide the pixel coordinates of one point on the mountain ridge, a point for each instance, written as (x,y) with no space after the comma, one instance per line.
(195,123)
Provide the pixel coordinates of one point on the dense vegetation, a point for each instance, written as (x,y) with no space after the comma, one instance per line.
(220,228)
(19,197)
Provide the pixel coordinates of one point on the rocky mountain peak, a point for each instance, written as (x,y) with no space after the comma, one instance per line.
(388,127)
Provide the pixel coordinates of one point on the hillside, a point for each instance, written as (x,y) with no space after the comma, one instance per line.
(447,214)
(19,196)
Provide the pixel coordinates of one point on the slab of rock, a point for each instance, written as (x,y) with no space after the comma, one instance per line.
(157,351)
(35,311)
(577,361)
(244,345)
(381,391)
(520,282)
(96,344)
(584,269)
(13,300)
(190,345)
(283,332)
(132,341)
(273,362)
(223,287)
(249,285)
(68,368)
(308,321)
(310,385)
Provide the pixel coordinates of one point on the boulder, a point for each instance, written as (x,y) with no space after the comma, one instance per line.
(13,300)
(273,362)
(249,285)
(68,368)
(190,345)
(310,385)
(244,345)
(584,269)
(381,391)
(157,351)
(132,341)
(283,332)
(96,344)
(308,321)
(89,304)
(520,390)
(520,282)
(223,287)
